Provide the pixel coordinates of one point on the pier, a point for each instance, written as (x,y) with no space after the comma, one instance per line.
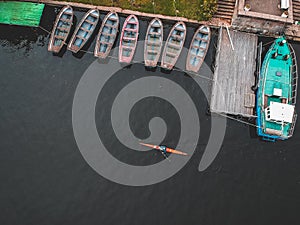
(234,74)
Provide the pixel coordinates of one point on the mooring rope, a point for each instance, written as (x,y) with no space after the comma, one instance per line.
(44,29)
(238,120)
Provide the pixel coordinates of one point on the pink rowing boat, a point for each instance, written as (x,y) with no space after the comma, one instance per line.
(128,40)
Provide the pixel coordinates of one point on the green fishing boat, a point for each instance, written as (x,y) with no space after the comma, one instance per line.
(276,93)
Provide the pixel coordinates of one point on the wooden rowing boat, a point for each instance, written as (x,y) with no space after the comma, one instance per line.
(107,35)
(164,149)
(128,40)
(61,29)
(153,43)
(198,49)
(174,45)
(84,30)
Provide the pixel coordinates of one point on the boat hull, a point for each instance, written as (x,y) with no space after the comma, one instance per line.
(174,45)
(84,30)
(107,35)
(276,93)
(128,40)
(198,49)
(61,29)
(153,43)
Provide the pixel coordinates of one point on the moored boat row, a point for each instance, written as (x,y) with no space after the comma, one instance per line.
(108,32)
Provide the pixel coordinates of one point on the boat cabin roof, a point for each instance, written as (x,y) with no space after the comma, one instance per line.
(280,112)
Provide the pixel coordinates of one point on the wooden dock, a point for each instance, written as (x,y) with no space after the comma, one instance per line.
(234,74)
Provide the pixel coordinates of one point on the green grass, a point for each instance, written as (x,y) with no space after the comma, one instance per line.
(192,9)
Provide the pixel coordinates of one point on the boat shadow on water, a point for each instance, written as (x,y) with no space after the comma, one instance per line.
(151,69)
(165,71)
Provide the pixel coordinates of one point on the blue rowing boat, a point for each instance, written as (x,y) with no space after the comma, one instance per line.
(84,30)
(198,49)
(107,35)
(61,29)
(174,45)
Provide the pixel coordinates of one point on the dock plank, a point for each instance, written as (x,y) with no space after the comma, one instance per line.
(234,74)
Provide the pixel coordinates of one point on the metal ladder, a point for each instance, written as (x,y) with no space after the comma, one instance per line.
(291,131)
(294,76)
(294,87)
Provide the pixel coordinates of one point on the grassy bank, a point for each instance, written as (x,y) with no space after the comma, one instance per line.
(192,9)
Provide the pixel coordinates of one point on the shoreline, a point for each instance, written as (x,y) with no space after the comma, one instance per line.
(213,22)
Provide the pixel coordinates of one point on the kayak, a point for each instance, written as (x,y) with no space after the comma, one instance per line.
(164,149)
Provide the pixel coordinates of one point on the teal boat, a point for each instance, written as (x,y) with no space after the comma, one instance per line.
(276,93)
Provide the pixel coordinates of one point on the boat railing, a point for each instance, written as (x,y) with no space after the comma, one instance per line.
(291,131)
(294,69)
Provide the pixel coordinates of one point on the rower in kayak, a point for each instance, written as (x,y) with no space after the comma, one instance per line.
(164,149)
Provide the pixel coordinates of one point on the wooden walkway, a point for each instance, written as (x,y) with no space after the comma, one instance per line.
(234,74)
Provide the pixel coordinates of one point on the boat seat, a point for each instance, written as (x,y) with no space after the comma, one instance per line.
(129,38)
(65,20)
(130,30)
(198,56)
(63,28)
(59,37)
(200,39)
(152,52)
(173,45)
(127,47)
(173,55)
(203,32)
(106,34)
(156,26)
(110,25)
(131,22)
(105,43)
(198,47)
(151,43)
(79,37)
(68,13)
(155,33)
(112,19)
(179,29)
(90,22)
(84,29)
(177,37)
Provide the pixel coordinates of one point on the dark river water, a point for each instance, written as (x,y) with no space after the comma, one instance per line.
(44,178)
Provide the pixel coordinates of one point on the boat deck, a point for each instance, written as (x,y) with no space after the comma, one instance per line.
(234,74)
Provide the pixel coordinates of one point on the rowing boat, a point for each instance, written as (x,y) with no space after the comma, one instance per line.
(153,43)
(128,40)
(61,29)
(107,35)
(198,49)
(84,30)
(174,45)
(164,149)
